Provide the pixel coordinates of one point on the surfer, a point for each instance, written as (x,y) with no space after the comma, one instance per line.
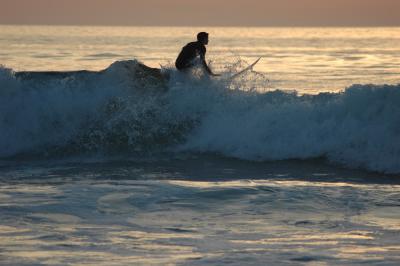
(193,50)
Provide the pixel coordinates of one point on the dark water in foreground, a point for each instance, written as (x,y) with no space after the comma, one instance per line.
(197,211)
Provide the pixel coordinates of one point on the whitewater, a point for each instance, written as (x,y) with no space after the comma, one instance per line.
(115,113)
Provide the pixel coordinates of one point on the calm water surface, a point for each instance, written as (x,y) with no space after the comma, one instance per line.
(197,212)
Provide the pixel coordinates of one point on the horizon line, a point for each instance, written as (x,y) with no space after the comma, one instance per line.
(199,26)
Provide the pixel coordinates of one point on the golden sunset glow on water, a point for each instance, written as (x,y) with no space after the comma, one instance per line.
(304,59)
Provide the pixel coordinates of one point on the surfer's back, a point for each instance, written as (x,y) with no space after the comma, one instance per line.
(188,53)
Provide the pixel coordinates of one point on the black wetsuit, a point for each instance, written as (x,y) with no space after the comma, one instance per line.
(188,53)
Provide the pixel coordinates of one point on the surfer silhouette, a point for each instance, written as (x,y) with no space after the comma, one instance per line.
(187,57)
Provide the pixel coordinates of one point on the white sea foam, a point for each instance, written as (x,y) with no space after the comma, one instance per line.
(115,112)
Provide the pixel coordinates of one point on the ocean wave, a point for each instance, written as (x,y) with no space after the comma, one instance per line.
(122,110)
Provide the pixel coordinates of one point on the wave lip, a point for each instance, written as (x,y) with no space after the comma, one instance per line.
(127,109)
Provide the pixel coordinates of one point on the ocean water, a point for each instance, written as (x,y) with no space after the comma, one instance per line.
(295,162)
(303,59)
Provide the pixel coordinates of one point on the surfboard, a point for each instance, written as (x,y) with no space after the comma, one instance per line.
(245,69)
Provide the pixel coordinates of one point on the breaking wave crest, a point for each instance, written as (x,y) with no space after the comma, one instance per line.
(122,110)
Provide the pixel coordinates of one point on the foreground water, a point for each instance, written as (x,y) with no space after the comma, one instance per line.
(197,211)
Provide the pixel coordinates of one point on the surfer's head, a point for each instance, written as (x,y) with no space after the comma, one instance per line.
(202,37)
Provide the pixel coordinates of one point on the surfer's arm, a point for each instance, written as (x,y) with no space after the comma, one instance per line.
(203,61)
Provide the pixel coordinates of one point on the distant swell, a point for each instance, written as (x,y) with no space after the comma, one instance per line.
(118,112)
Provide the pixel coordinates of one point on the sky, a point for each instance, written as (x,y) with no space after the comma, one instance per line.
(202,13)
